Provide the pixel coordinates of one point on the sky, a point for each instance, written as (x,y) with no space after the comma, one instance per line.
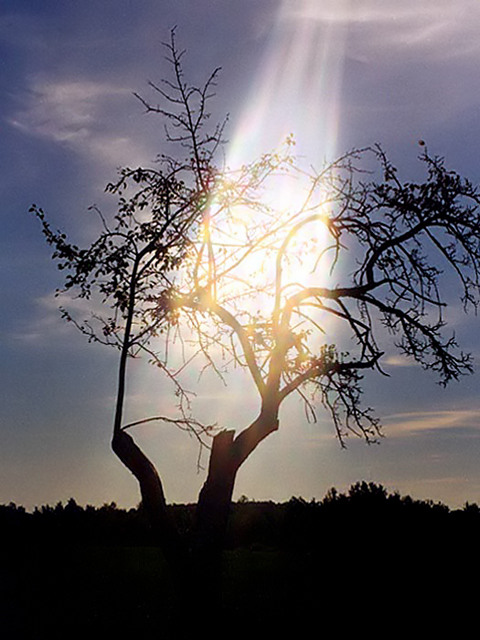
(338,74)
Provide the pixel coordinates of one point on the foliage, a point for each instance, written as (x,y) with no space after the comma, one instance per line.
(287,564)
(130,267)
(244,264)
(296,523)
(273,293)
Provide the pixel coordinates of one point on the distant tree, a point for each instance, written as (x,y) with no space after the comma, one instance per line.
(295,276)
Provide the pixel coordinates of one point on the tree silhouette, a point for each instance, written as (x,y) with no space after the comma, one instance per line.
(294,275)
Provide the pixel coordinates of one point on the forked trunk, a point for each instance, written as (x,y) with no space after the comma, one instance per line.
(196,564)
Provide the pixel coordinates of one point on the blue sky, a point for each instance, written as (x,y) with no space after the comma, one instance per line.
(338,74)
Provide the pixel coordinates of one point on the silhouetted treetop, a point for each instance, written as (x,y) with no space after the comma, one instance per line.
(297,523)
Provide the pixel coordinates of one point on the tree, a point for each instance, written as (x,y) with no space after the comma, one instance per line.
(293,275)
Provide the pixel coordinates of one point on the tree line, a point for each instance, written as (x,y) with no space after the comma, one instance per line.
(366,509)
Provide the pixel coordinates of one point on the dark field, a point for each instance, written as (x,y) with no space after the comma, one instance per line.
(364,561)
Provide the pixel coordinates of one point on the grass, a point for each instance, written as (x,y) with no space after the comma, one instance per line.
(125,592)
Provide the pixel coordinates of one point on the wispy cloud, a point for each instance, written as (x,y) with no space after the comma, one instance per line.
(430,24)
(82,114)
(46,327)
(402,425)
(399,361)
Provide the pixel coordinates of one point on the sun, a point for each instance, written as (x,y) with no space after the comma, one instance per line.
(258,248)
(248,260)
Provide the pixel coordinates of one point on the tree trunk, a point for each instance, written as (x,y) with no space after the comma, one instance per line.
(153,498)
(213,510)
(215,499)
(196,566)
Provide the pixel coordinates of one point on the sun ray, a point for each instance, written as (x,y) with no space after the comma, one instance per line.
(291,110)
(296,88)
(295,95)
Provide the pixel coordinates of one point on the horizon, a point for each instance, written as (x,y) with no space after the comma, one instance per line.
(243,499)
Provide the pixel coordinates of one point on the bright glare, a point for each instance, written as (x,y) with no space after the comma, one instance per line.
(296,88)
(295,95)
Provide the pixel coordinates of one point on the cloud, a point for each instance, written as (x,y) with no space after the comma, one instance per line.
(399,361)
(46,327)
(401,425)
(367,11)
(81,114)
(430,24)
